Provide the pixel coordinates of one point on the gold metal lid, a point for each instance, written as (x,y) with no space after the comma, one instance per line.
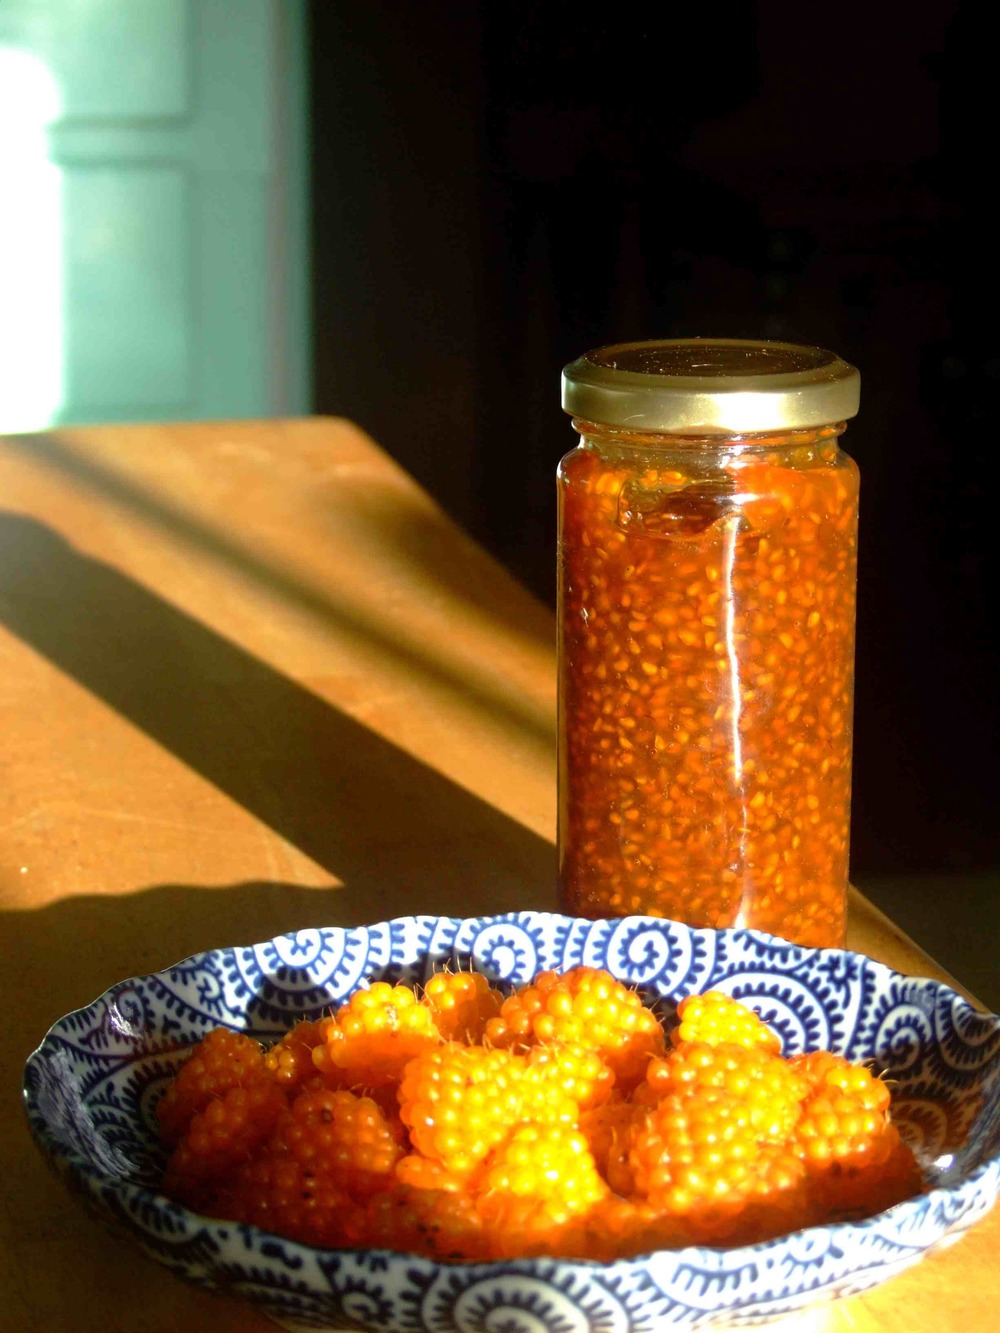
(699,386)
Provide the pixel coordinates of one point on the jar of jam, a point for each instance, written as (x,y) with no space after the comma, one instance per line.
(707,570)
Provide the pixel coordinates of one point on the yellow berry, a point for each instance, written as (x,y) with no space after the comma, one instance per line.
(715,1017)
(375,1034)
(462,1004)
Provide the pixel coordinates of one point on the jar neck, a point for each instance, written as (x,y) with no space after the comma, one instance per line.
(618,438)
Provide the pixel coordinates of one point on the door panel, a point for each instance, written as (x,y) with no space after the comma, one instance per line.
(157,149)
(129,325)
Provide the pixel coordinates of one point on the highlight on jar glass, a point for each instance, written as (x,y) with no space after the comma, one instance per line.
(707,573)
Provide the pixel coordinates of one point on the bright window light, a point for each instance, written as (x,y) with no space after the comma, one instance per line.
(31,278)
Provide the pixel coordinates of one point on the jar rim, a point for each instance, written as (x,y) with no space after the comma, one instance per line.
(711,386)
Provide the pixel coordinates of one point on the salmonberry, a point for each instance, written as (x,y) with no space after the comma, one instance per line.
(884,1175)
(458,1102)
(537,1188)
(277,1193)
(562,1080)
(854,1156)
(343,1135)
(584,1007)
(692,1148)
(769,1086)
(223,1059)
(373,1036)
(715,1017)
(290,1062)
(823,1069)
(698,1157)
(559,1122)
(224,1134)
(462,1004)
(440,1223)
(843,1115)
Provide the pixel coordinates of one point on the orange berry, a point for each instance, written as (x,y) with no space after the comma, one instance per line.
(424,1173)
(290,1062)
(574,1129)
(886,1174)
(439,1223)
(608,1131)
(715,1017)
(698,1157)
(278,1194)
(693,1148)
(561,1080)
(373,1036)
(222,1060)
(342,1135)
(537,1188)
(823,1069)
(541,1162)
(583,1007)
(458,1102)
(621,1228)
(843,1115)
(770,1087)
(855,1159)
(223,1135)
(778,1198)
(462,1004)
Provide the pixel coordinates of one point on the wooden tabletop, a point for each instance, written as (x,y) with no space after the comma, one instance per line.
(252,679)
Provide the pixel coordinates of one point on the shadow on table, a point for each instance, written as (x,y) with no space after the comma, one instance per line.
(350,800)
(397,834)
(422,540)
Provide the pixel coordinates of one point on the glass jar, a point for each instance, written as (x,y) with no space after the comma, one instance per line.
(707,570)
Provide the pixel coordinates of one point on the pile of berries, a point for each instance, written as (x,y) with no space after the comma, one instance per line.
(561,1120)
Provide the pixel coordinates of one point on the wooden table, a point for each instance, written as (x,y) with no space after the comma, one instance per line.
(252,679)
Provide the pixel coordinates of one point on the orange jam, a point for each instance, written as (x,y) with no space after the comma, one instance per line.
(707,594)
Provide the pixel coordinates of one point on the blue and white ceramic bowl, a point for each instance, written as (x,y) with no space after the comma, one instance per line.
(91,1087)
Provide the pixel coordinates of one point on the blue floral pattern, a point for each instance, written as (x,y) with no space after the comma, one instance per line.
(92,1086)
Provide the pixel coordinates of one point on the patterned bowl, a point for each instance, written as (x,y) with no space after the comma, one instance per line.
(91,1087)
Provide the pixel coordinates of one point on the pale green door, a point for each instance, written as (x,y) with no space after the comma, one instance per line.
(153,256)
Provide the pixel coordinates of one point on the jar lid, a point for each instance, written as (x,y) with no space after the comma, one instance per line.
(709,385)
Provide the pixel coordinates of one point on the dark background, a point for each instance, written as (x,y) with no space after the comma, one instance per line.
(499,186)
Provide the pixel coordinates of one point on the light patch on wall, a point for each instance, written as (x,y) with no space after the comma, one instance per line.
(31,260)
